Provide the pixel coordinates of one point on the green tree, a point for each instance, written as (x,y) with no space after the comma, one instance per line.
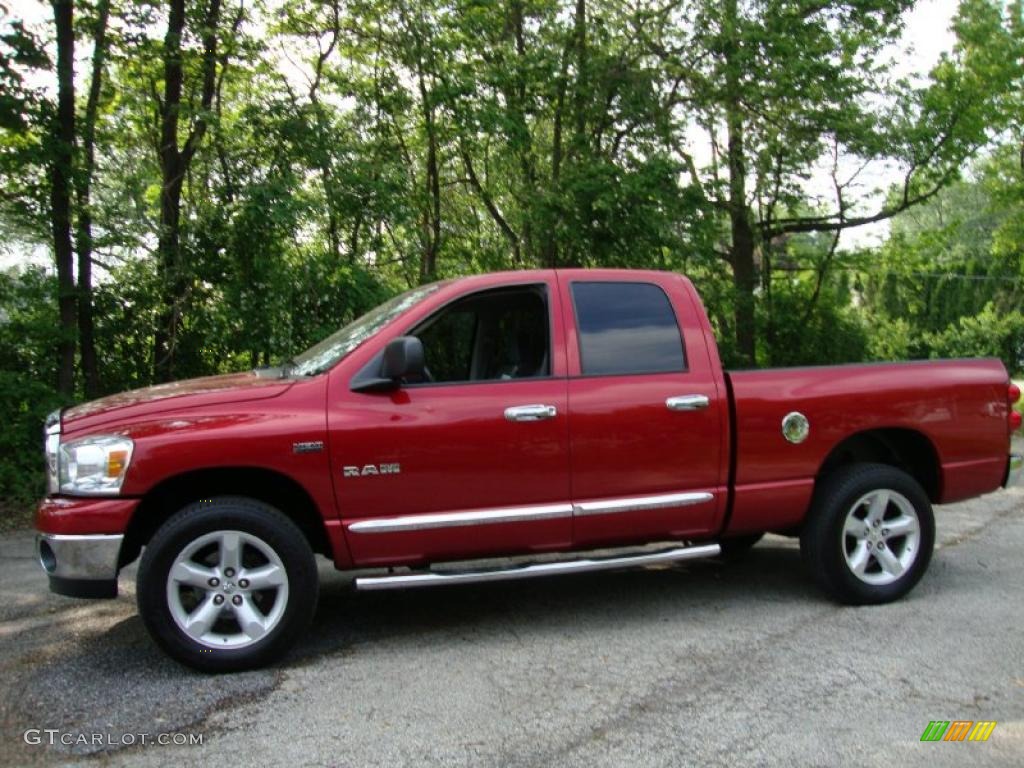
(778,86)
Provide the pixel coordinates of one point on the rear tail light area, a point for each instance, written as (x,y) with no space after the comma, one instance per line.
(1013,396)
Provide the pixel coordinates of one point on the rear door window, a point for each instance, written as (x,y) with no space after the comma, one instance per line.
(626,328)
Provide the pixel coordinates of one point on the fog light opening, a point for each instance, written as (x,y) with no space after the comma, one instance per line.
(46,557)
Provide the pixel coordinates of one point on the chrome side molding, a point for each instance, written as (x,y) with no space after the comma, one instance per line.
(584,565)
(526,513)
(469,517)
(641,503)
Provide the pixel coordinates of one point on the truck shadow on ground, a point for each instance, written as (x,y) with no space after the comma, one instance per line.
(116,680)
(347,620)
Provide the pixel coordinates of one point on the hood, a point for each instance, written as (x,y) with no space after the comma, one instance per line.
(208,390)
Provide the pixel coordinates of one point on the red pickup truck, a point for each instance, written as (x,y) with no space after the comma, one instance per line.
(506,415)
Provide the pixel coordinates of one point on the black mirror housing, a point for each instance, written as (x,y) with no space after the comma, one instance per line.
(402,357)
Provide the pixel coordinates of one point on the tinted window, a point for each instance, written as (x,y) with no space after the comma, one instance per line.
(626,328)
(494,335)
(448,344)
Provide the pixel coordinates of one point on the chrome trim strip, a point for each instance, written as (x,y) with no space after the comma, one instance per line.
(641,503)
(469,517)
(87,557)
(1014,470)
(522,514)
(402,581)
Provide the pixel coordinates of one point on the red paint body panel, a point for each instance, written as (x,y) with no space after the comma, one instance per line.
(456,452)
(626,443)
(612,438)
(175,396)
(958,405)
(80,516)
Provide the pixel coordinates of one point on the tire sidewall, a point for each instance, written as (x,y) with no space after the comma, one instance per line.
(835,502)
(221,514)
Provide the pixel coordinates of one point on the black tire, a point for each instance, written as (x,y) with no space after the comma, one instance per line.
(827,549)
(203,519)
(736,547)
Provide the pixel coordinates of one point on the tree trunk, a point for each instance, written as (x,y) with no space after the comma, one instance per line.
(579,148)
(516,107)
(61,172)
(550,254)
(432,211)
(174,164)
(428,266)
(742,233)
(742,250)
(168,246)
(86,331)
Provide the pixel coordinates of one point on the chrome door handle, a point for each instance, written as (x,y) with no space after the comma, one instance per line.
(530,412)
(687,402)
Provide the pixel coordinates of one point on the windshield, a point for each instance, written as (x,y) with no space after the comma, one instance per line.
(322,356)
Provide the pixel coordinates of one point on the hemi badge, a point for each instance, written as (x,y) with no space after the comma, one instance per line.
(313,446)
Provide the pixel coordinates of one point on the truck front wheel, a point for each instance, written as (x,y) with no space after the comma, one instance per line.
(227,583)
(870,534)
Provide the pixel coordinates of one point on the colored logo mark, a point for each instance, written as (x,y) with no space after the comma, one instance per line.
(958,730)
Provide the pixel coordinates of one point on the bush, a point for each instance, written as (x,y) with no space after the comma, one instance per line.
(828,333)
(892,338)
(26,404)
(988,334)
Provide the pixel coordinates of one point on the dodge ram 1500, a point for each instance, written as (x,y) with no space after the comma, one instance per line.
(504,416)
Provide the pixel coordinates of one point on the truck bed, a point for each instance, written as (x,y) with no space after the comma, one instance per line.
(950,413)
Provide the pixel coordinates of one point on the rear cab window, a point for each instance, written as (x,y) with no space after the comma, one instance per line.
(626,328)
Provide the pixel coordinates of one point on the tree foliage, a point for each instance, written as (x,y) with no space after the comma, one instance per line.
(241,178)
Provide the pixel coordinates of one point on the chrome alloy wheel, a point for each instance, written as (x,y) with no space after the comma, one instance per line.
(227,589)
(881,537)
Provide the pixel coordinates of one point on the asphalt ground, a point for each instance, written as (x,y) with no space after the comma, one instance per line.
(705,663)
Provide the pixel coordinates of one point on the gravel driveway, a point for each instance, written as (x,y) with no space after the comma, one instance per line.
(706,663)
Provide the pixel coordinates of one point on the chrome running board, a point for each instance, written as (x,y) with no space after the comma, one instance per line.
(586,565)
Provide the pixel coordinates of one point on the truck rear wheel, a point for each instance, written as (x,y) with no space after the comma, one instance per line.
(227,584)
(870,534)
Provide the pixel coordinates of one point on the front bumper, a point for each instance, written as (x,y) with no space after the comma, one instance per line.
(80,565)
(1014,470)
(79,561)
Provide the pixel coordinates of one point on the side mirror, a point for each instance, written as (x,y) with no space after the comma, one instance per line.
(401,357)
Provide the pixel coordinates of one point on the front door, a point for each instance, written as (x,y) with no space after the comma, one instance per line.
(473,460)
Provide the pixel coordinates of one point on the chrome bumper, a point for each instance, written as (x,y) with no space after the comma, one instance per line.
(80,566)
(1014,470)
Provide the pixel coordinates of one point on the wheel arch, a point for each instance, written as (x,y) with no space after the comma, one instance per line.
(906,449)
(266,485)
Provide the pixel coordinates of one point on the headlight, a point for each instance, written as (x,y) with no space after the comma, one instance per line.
(93,466)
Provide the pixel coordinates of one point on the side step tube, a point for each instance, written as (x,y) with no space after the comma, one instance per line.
(406,580)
